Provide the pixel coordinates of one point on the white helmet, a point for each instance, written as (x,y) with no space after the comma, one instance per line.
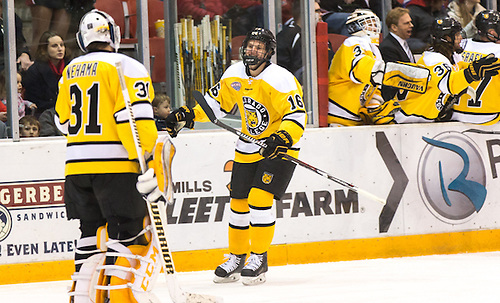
(98,26)
(363,22)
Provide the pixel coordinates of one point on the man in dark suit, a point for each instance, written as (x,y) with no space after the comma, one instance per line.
(394,46)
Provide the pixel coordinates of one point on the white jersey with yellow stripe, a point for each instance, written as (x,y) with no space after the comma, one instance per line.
(267,103)
(479,104)
(91,112)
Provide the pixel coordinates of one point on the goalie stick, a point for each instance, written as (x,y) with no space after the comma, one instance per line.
(157,214)
(208,111)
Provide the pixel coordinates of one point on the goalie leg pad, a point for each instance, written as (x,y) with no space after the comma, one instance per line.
(383,114)
(132,276)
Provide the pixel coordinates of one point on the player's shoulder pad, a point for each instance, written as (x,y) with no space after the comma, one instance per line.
(279,78)
(364,42)
(433,58)
(235,70)
(131,67)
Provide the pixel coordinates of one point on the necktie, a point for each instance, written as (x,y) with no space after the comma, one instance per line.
(408,51)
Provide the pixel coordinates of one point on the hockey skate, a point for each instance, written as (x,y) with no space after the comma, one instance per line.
(230,270)
(254,272)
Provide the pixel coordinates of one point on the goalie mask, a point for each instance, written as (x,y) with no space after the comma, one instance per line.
(363,22)
(444,36)
(257,53)
(486,20)
(98,26)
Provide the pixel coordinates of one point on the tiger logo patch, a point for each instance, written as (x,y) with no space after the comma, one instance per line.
(267,177)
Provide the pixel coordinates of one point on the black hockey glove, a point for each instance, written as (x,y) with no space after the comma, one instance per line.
(277,144)
(179,118)
(484,67)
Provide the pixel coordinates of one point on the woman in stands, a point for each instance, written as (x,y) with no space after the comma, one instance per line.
(40,80)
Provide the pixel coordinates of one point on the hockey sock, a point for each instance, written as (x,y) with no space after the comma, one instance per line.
(238,233)
(262,220)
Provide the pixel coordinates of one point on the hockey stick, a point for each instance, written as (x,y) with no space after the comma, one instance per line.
(208,111)
(176,293)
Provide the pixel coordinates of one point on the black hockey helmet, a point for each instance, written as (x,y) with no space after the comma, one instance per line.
(442,28)
(486,20)
(260,34)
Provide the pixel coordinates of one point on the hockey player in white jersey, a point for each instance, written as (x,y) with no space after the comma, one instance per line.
(269,99)
(479,104)
(115,260)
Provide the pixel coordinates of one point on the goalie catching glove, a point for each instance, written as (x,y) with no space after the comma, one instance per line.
(277,143)
(179,118)
(485,67)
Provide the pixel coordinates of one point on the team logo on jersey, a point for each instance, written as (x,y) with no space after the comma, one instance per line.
(236,85)
(5,222)
(452,177)
(267,177)
(256,116)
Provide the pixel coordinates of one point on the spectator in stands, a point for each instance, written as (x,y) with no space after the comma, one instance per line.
(199,8)
(465,11)
(49,15)
(47,125)
(41,79)
(3,130)
(22,105)
(423,13)
(29,127)
(289,42)
(394,47)
(161,109)
(22,50)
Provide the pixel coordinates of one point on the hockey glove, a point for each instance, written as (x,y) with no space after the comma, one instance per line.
(179,118)
(382,114)
(147,185)
(485,67)
(377,74)
(277,144)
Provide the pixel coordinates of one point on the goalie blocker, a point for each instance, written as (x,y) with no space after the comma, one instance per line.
(406,76)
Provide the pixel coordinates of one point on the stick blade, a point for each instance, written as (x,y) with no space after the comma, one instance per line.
(204,105)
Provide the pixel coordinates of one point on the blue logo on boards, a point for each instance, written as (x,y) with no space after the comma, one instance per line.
(452,177)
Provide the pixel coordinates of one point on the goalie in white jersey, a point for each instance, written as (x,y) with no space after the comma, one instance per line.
(102,168)
(269,99)
(449,75)
(479,104)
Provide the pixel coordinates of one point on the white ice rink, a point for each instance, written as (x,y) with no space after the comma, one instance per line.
(471,278)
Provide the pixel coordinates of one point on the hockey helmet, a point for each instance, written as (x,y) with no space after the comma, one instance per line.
(363,22)
(260,34)
(443,28)
(98,26)
(486,20)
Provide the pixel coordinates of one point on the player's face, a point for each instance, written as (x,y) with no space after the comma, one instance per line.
(458,40)
(404,27)
(56,48)
(256,48)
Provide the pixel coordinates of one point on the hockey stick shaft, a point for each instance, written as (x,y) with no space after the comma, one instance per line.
(208,111)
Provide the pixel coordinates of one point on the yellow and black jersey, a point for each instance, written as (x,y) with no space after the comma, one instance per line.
(91,113)
(267,103)
(446,79)
(480,103)
(349,80)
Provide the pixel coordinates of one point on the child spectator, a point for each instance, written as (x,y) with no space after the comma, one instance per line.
(29,127)
(161,109)
(22,104)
